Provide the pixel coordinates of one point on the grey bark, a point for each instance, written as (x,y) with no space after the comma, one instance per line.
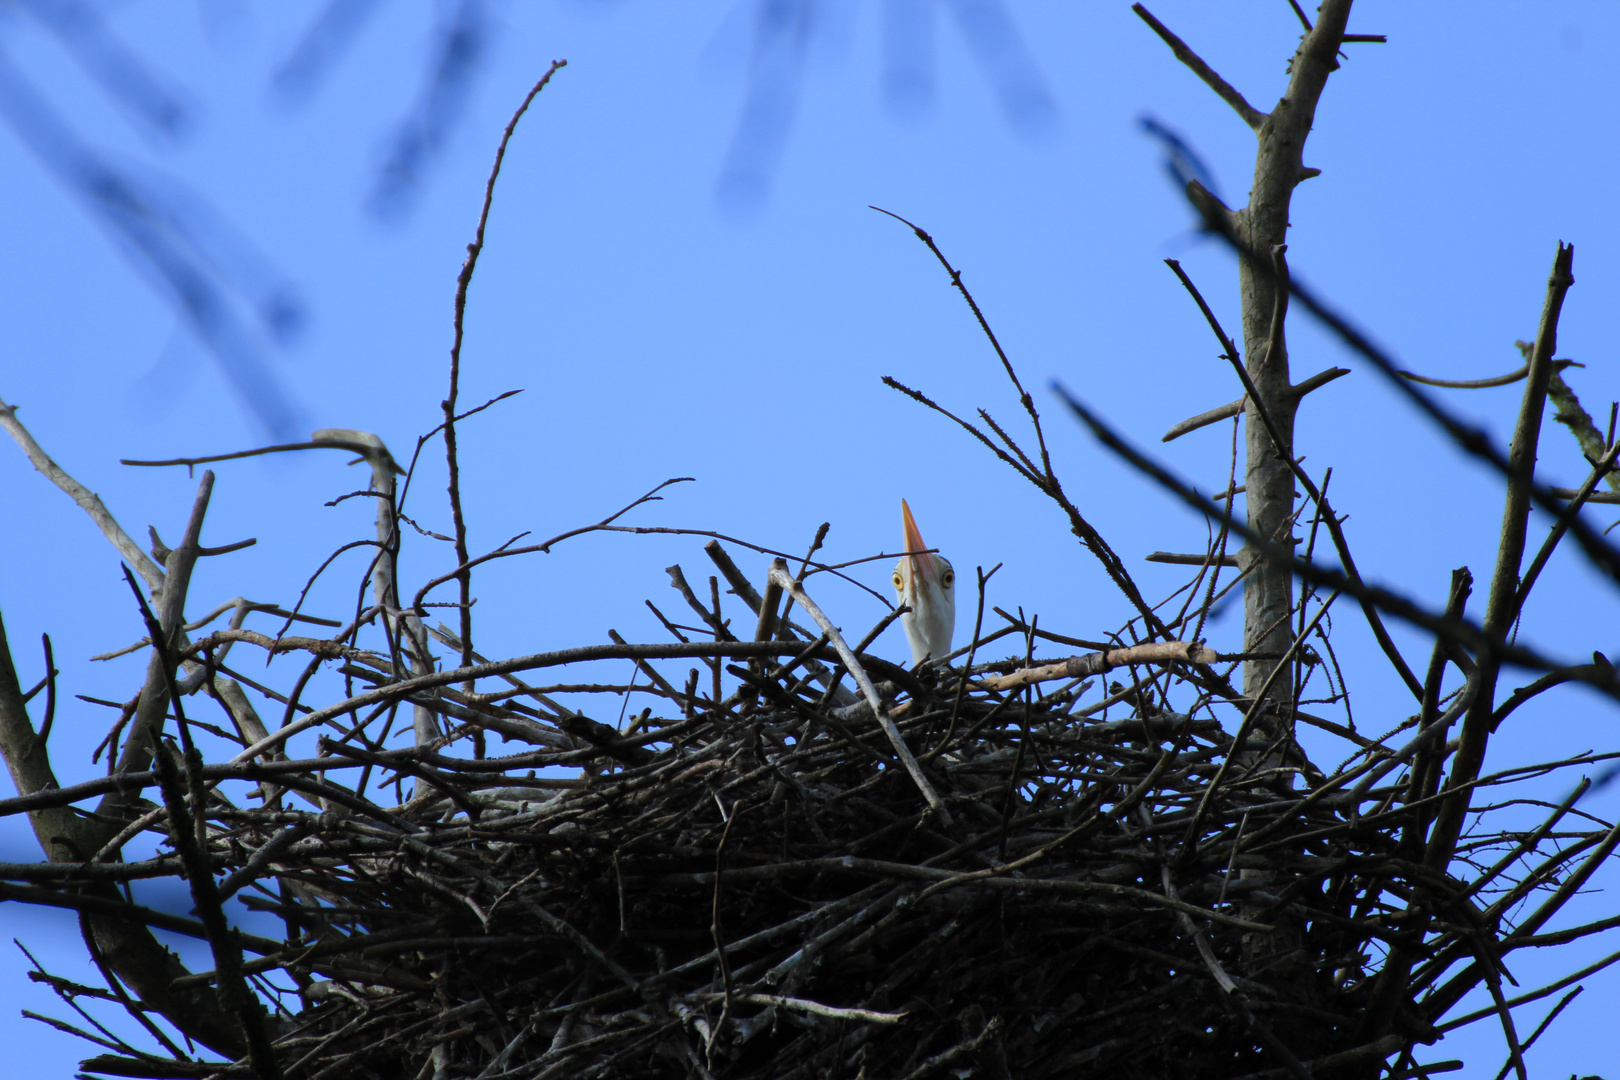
(1263,225)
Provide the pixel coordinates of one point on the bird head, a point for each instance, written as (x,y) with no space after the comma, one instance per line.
(925,582)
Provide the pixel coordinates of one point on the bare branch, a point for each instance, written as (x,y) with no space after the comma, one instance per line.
(463,281)
(87,499)
(1223,89)
(1235,408)
(1502,606)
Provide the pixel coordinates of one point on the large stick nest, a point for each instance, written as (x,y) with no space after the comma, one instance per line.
(760,889)
(583,930)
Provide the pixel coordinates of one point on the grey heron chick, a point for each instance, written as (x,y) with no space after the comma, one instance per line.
(925,582)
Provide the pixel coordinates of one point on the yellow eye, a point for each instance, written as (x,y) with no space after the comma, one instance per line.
(899,582)
(948,578)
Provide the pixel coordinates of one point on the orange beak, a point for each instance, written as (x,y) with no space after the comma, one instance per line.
(925,566)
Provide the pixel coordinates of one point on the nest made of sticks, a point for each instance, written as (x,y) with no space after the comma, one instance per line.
(774,901)
(764,886)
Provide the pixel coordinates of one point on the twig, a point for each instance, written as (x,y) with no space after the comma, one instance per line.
(967,667)
(463,281)
(1024,398)
(1250,718)
(1467,384)
(717,930)
(605,525)
(1235,408)
(1600,469)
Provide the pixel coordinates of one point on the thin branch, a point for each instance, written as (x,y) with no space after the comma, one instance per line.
(88,500)
(956,279)
(1600,469)
(1501,607)
(1467,384)
(1235,408)
(463,281)
(1223,89)
(506,552)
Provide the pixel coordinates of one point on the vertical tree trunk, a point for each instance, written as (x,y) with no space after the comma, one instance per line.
(1269,492)
(1278,958)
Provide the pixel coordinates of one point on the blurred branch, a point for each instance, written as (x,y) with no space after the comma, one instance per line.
(82,30)
(423,135)
(182,250)
(1458,630)
(327,38)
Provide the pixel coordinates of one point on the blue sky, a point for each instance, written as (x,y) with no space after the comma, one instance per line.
(663,323)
